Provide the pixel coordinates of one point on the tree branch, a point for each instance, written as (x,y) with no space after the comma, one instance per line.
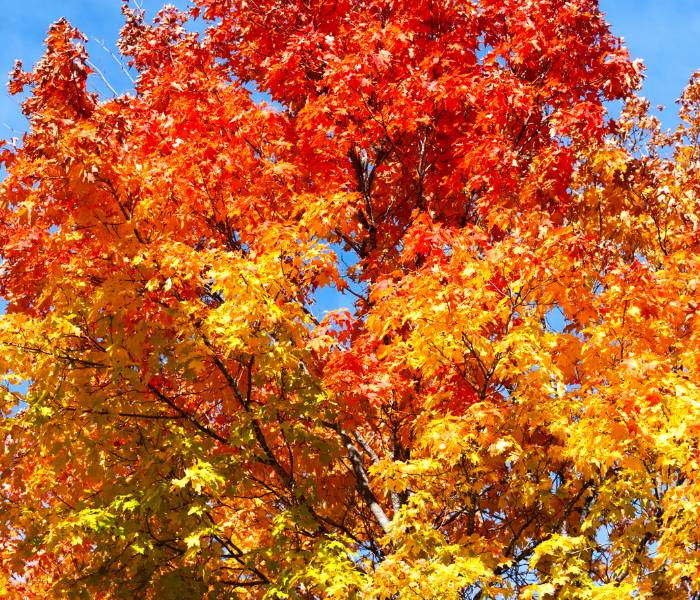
(361,479)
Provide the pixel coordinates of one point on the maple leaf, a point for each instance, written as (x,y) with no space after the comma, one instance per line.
(507,405)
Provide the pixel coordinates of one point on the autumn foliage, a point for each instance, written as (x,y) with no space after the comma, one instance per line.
(509,406)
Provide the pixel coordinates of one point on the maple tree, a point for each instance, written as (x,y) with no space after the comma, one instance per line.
(510,407)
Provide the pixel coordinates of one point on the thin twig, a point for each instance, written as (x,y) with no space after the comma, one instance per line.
(100,74)
(116,59)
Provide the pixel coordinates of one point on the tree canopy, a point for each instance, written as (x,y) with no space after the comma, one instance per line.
(509,407)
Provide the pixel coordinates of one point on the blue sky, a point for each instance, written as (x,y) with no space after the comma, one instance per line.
(666,35)
(23,28)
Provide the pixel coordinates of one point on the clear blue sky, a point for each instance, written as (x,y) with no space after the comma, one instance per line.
(664,33)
